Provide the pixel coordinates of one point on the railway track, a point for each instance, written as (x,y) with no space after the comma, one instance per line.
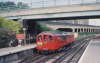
(68,55)
(71,54)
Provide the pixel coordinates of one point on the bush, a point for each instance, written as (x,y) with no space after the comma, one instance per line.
(6,36)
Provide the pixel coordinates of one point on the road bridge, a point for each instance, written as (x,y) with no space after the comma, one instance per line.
(61,12)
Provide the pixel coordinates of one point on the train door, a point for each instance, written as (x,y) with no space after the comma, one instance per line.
(45,42)
(62,40)
(68,39)
(50,39)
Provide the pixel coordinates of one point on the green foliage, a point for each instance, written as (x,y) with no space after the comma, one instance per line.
(7,4)
(10,24)
(43,27)
(22,5)
(12,6)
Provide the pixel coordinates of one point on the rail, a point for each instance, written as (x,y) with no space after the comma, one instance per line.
(58,57)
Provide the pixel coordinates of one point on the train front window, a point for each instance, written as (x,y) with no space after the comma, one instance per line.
(40,38)
(45,37)
(50,38)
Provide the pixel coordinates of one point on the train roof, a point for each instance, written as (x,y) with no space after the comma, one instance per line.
(56,33)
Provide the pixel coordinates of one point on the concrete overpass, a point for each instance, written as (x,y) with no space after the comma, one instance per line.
(63,12)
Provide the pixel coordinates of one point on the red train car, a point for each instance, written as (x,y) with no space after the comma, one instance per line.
(53,40)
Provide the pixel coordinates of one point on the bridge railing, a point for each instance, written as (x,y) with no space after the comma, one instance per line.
(50,3)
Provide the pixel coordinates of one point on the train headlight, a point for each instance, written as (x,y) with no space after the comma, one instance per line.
(39,43)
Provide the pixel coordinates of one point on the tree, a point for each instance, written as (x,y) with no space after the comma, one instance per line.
(12,6)
(10,24)
(7,4)
(1,4)
(22,5)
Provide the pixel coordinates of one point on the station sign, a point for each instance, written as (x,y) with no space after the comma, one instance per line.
(20,36)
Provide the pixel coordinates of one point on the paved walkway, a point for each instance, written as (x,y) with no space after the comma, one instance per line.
(92,52)
(11,50)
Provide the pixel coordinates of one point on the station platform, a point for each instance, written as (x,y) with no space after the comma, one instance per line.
(92,52)
(11,50)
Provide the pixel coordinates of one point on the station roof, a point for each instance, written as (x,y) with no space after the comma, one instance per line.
(60,23)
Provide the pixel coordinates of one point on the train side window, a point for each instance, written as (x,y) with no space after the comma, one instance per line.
(68,36)
(40,38)
(50,38)
(71,36)
(63,37)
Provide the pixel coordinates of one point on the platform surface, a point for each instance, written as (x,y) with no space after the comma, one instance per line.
(92,52)
(11,50)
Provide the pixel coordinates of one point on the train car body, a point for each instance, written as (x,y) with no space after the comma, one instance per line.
(53,40)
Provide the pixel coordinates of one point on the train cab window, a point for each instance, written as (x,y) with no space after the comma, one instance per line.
(40,38)
(50,38)
(45,37)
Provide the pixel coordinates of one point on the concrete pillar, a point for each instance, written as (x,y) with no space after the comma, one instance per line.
(83,29)
(78,30)
(73,29)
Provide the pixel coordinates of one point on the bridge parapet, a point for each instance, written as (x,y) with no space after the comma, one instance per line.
(62,9)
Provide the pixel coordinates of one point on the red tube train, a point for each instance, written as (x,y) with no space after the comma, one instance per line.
(53,40)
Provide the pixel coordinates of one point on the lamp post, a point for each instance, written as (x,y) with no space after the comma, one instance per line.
(24,30)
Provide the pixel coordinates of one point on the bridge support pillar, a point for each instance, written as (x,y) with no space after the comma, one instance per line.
(73,30)
(83,30)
